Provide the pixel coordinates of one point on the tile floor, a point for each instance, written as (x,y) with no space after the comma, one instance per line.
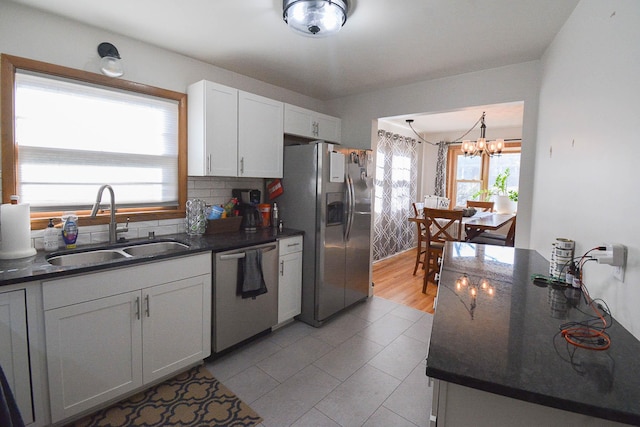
(366,367)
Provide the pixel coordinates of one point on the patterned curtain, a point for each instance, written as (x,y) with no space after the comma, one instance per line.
(395,189)
(441,169)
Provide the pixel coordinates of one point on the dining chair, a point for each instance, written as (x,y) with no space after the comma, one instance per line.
(442,225)
(482,206)
(497,239)
(421,230)
(416,212)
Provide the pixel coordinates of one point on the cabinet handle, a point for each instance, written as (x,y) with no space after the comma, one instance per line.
(148,304)
(290,245)
(209,163)
(242,165)
(282,268)
(138,308)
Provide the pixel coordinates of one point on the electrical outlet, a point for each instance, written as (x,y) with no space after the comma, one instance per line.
(615,255)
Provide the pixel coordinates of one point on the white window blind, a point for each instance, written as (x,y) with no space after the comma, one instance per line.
(72,137)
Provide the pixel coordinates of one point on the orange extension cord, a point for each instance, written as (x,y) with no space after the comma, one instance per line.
(577,335)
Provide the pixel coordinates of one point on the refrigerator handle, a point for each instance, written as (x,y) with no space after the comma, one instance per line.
(350,207)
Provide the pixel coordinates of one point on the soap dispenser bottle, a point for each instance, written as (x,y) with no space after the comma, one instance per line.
(51,237)
(70,229)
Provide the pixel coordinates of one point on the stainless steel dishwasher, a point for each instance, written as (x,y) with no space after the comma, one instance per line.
(235,319)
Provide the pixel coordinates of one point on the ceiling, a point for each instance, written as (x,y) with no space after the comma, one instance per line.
(383,44)
(458,122)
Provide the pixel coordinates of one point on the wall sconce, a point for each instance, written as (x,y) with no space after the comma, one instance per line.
(111,63)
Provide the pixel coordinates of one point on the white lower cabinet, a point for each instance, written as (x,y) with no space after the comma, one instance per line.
(14,350)
(455,405)
(112,332)
(290,278)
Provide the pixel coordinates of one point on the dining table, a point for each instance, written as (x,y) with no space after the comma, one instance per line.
(492,222)
(478,223)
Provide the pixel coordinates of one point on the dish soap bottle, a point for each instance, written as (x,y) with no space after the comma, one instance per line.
(70,229)
(51,237)
(275,216)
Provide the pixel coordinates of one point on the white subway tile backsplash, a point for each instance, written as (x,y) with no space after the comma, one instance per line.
(213,190)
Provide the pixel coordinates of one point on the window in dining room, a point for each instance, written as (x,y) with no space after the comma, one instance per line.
(466,175)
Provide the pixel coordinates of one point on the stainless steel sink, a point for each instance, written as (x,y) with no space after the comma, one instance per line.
(102,255)
(89,257)
(155,248)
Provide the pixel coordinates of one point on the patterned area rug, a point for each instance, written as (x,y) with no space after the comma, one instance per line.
(194,398)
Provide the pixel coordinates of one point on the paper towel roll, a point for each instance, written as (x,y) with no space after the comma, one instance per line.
(15,229)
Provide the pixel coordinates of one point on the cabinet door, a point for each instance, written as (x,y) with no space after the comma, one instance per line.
(176,325)
(94,352)
(290,286)
(298,121)
(213,129)
(260,136)
(328,128)
(14,350)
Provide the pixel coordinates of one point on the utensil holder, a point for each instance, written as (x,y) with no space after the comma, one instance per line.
(195,220)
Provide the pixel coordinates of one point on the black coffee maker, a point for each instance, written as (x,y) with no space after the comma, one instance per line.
(248,201)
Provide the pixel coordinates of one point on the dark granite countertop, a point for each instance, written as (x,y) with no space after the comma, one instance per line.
(37,268)
(506,341)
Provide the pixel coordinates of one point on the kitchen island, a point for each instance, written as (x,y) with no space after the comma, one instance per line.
(498,358)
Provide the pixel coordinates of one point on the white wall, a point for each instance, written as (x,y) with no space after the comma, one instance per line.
(37,35)
(586,187)
(518,82)
(44,37)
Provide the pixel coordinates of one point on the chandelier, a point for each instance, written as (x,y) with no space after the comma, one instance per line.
(482,146)
(315,18)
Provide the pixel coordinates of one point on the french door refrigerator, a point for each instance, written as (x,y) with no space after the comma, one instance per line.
(327,194)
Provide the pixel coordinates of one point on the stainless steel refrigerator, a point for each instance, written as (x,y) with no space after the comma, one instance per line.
(327,193)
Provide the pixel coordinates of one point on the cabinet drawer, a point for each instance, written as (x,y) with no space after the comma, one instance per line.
(90,286)
(290,245)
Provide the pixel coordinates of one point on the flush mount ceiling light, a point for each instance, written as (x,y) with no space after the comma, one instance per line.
(110,64)
(315,18)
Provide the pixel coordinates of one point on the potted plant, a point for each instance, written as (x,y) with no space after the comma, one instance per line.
(506,200)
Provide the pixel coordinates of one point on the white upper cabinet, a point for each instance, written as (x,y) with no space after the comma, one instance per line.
(260,136)
(233,133)
(310,124)
(213,129)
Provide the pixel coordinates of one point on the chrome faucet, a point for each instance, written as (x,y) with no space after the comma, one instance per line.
(113,226)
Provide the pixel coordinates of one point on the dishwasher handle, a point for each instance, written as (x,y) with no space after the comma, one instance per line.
(240,255)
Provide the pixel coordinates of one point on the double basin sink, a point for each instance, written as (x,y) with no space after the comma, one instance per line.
(109,254)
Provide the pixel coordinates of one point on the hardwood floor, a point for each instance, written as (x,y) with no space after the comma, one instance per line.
(393,280)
